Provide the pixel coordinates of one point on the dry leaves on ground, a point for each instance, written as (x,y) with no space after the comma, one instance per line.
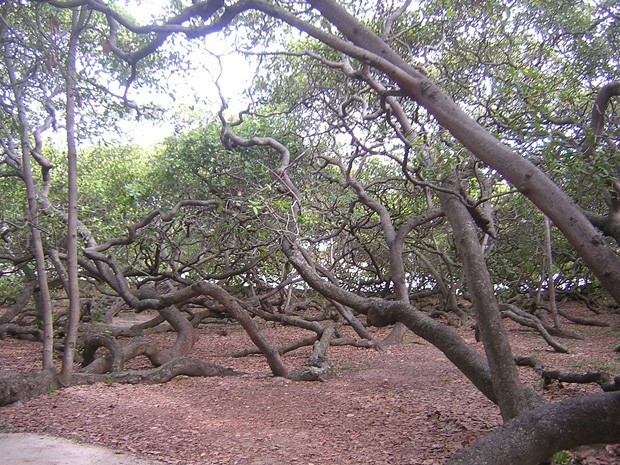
(407,405)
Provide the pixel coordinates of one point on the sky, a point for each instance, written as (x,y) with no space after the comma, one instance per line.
(194,91)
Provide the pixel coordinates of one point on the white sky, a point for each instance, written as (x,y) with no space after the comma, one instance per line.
(195,91)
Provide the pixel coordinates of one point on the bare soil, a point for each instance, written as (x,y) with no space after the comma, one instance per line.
(407,405)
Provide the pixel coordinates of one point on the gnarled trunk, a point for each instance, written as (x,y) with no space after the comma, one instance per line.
(535,436)
(512,396)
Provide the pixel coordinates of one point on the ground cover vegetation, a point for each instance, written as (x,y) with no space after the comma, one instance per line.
(413,165)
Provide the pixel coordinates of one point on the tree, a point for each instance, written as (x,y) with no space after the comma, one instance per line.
(353,46)
(19,73)
(41,58)
(78,22)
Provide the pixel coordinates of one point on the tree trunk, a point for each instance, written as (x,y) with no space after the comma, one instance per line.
(383,313)
(33,216)
(20,387)
(511,395)
(401,291)
(534,437)
(395,242)
(518,170)
(350,318)
(77,23)
(186,338)
(25,295)
(186,334)
(236,311)
(549,271)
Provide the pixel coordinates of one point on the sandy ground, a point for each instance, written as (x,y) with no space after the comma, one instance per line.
(39,449)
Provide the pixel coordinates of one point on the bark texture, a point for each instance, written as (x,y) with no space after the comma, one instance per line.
(20,387)
(512,396)
(382,313)
(534,437)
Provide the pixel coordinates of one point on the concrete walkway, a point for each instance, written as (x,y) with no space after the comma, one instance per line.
(38,449)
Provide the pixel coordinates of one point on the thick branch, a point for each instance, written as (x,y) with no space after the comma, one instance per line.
(516,314)
(103,340)
(530,180)
(184,366)
(535,436)
(607,382)
(597,121)
(383,313)
(512,395)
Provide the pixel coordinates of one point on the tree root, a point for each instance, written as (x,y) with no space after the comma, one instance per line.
(33,333)
(318,364)
(582,321)
(182,366)
(103,340)
(20,386)
(535,436)
(606,381)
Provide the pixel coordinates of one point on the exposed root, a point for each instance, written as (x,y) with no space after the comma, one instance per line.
(20,386)
(582,321)
(30,332)
(183,366)
(103,340)
(606,381)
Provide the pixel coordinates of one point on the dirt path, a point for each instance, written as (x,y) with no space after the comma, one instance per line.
(38,449)
(405,406)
